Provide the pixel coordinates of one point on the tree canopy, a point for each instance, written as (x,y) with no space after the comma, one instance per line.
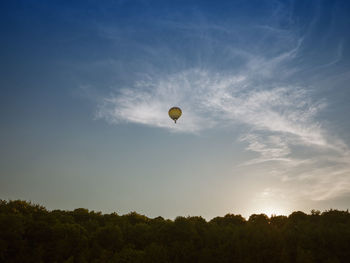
(31,233)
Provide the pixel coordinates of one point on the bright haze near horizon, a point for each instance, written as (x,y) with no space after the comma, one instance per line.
(263,87)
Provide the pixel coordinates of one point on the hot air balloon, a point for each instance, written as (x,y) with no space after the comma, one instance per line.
(175,113)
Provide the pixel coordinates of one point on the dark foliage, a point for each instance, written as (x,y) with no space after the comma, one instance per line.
(30,233)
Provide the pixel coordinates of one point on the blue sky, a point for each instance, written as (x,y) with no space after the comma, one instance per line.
(263,85)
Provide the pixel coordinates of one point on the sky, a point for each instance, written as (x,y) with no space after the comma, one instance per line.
(263,87)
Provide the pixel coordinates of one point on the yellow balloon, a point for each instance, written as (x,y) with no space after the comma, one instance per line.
(175,113)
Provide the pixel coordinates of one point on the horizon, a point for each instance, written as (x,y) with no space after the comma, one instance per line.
(246,218)
(263,87)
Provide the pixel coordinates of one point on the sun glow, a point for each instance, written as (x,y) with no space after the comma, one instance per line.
(270,211)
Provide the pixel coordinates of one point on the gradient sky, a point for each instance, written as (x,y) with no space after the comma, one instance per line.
(263,85)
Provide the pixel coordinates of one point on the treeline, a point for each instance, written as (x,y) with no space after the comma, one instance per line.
(30,233)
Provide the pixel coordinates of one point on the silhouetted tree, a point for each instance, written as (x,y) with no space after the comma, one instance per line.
(30,233)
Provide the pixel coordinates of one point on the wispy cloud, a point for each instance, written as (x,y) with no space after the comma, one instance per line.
(279,113)
(211,99)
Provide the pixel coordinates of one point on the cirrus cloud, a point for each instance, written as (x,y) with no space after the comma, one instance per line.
(280,114)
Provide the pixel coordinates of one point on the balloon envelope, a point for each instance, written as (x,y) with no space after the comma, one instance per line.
(175,113)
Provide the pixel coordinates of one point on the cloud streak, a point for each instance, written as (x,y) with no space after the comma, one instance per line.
(211,99)
(261,94)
